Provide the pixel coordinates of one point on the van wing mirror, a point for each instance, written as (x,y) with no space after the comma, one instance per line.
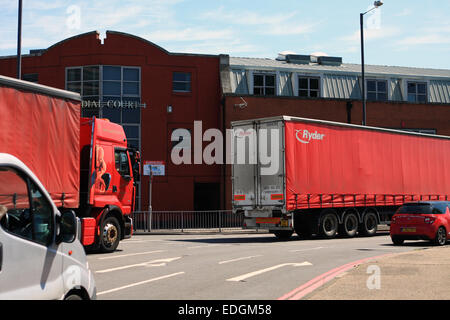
(67,227)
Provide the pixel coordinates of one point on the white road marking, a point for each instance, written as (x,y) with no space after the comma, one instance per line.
(255,273)
(131,254)
(239,259)
(140,283)
(309,249)
(153,263)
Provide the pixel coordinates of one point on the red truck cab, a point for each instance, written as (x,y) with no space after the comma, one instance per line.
(107,184)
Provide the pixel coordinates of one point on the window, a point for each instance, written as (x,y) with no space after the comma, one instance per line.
(31,77)
(417,92)
(264,84)
(308,87)
(29,214)
(181,82)
(377,90)
(122,164)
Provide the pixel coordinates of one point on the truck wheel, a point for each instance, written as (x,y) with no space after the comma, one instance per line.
(329,225)
(441,237)
(349,226)
(283,234)
(110,235)
(369,225)
(73,297)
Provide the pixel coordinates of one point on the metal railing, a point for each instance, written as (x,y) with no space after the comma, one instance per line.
(186,220)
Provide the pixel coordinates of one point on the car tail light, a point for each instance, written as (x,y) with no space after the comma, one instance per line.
(393,220)
(429,220)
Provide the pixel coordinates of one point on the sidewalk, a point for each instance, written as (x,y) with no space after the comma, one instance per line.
(420,275)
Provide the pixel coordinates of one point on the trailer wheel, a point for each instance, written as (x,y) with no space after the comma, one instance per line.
(329,225)
(369,225)
(110,235)
(349,226)
(283,234)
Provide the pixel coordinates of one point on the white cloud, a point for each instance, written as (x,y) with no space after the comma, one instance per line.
(188,34)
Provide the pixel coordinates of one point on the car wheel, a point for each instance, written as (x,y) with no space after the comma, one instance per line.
(441,237)
(283,234)
(329,225)
(397,241)
(110,235)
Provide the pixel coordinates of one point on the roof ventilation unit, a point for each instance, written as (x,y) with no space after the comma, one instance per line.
(298,58)
(330,61)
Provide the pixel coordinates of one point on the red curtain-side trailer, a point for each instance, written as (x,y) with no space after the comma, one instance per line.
(333,177)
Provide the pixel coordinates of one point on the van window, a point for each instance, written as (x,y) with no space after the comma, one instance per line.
(28,212)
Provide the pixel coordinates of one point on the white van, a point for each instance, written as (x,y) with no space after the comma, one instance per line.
(40,255)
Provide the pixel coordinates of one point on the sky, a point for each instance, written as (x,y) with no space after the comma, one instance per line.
(414,33)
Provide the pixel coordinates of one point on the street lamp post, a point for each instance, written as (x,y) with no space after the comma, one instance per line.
(363,81)
(19,42)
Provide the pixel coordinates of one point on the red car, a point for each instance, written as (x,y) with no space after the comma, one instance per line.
(425,220)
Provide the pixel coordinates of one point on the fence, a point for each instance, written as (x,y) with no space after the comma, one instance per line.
(185,220)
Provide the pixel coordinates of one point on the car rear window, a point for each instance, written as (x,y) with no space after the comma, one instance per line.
(424,208)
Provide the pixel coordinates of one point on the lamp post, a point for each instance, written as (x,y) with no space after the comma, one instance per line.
(361,21)
(19,42)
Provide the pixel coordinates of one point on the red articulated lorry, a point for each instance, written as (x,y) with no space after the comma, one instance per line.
(84,163)
(327,178)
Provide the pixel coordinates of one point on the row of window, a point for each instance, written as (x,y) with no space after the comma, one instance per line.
(377,90)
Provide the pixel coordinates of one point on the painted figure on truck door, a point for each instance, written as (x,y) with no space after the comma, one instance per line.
(102,178)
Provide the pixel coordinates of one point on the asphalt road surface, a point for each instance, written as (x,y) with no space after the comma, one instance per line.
(225,266)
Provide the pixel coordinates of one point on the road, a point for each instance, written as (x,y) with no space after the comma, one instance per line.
(225,266)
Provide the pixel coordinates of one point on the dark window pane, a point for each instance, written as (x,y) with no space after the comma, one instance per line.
(74,87)
(111,88)
(314,94)
(182,86)
(303,93)
(89,113)
(112,73)
(303,83)
(134,144)
(382,96)
(270,91)
(90,73)
(131,115)
(371,96)
(270,81)
(411,87)
(131,88)
(74,74)
(132,132)
(90,88)
(381,86)
(421,88)
(31,77)
(314,83)
(411,97)
(258,80)
(421,98)
(371,85)
(113,114)
(258,91)
(132,74)
(181,76)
